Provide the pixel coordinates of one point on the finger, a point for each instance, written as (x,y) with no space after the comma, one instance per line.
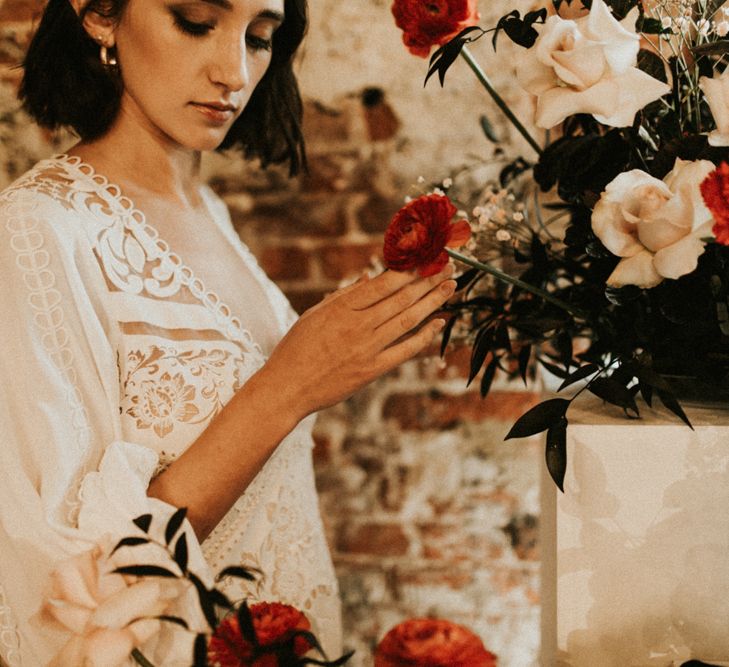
(399,303)
(406,349)
(346,289)
(405,321)
(380,287)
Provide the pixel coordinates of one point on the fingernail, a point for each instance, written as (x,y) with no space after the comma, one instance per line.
(448,287)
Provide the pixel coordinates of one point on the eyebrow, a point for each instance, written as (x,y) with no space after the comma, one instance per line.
(266,13)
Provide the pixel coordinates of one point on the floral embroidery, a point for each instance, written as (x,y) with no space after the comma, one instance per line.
(163,402)
(164,386)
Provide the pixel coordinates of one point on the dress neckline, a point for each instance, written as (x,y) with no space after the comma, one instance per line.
(137,222)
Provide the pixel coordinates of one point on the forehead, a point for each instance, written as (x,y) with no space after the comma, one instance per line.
(246,6)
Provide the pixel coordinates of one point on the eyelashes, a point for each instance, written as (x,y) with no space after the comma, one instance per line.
(195,29)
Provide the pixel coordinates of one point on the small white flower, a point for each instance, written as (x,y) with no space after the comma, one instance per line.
(503,235)
(703,26)
(408,199)
(666,22)
(421,180)
(721,28)
(447,182)
(683,23)
(518,217)
(483,219)
(438,191)
(477,212)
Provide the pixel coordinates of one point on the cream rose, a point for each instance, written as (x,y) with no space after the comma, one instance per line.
(655,226)
(588,65)
(100,611)
(716,91)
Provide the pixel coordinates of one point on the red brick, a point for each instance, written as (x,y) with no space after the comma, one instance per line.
(381,121)
(375,214)
(341,261)
(330,172)
(437,410)
(446,575)
(20,10)
(375,539)
(302,300)
(285,263)
(322,123)
(311,215)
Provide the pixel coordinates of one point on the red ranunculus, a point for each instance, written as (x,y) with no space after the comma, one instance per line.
(419,233)
(273,622)
(429,642)
(715,191)
(426,23)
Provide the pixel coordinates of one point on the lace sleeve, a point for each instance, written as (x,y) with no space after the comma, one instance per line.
(67,477)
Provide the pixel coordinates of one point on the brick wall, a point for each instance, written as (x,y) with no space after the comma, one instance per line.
(427,510)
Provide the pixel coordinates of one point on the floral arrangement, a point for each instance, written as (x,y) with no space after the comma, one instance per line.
(110,610)
(617,281)
(431,642)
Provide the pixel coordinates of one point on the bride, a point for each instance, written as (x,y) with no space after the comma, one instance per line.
(147,361)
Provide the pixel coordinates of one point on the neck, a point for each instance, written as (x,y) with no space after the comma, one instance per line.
(142,160)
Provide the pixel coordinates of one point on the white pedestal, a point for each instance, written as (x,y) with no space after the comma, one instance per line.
(636,551)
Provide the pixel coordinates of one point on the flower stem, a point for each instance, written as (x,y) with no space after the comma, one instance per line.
(140,659)
(505,277)
(484,80)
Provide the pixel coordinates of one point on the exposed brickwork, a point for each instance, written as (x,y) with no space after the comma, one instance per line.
(427,510)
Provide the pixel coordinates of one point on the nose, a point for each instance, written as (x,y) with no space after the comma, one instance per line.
(230,65)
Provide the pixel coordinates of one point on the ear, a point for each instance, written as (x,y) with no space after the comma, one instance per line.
(100,28)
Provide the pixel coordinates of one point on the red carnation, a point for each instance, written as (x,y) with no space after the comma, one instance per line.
(426,23)
(419,233)
(428,642)
(274,623)
(715,191)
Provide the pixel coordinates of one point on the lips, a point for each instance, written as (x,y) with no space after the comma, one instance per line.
(218,112)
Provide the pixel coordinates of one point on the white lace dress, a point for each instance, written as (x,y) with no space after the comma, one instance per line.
(115,357)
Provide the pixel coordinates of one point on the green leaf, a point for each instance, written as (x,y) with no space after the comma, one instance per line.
(236,571)
(129,542)
(556,452)
(200,655)
(669,400)
(245,622)
(488,377)
(612,391)
(146,571)
(174,619)
(580,374)
(173,525)
(524,355)
(181,553)
(481,348)
(488,129)
(143,522)
(447,330)
(206,602)
(539,418)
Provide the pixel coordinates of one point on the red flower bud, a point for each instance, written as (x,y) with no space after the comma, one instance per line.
(419,233)
(427,642)
(273,622)
(715,191)
(426,23)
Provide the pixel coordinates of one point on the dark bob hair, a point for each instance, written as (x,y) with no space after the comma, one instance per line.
(65,85)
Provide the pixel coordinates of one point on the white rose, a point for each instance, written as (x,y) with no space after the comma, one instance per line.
(588,65)
(716,90)
(655,226)
(105,616)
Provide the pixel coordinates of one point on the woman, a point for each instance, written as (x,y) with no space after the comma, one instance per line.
(140,376)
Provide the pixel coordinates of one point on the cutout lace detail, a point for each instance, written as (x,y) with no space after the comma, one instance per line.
(9,635)
(128,242)
(44,300)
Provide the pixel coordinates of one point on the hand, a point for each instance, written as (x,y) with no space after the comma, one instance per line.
(354,336)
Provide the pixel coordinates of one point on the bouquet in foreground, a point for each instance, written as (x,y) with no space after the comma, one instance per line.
(617,281)
(110,610)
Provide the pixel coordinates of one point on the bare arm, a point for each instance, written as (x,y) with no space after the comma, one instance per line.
(337,347)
